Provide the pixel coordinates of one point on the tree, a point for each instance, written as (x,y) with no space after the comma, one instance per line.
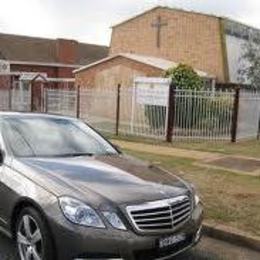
(184,77)
(250,63)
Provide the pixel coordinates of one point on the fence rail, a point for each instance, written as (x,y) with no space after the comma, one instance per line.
(249,114)
(99,109)
(62,102)
(203,115)
(172,115)
(4,100)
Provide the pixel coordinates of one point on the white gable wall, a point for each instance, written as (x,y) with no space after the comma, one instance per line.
(235,51)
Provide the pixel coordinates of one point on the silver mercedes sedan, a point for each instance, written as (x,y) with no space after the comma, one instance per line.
(67,193)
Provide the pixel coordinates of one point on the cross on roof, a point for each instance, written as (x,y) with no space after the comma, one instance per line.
(158,25)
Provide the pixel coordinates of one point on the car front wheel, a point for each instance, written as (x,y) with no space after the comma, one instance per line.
(33,238)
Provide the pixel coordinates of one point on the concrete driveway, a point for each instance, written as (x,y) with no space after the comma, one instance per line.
(208,249)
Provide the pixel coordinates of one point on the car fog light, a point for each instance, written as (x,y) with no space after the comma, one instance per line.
(114,220)
(198,234)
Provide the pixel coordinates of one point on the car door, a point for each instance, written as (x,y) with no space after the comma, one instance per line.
(11,181)
(5,191)
(3,201)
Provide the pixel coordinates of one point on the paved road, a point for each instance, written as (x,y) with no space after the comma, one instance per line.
(208,249)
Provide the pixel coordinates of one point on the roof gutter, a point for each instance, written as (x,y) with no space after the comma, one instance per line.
(47,64)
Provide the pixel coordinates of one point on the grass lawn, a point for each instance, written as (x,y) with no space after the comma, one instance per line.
(247,148)
(229,198)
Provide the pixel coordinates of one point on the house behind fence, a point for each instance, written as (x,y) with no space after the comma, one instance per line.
(150,112)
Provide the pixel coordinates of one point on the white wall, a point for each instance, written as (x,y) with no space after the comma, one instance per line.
(234,53)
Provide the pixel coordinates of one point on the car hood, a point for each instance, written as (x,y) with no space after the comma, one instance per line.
(119,178)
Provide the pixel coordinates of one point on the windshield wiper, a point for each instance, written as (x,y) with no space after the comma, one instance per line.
(75,154)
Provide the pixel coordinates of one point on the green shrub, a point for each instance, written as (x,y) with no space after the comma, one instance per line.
(184,77)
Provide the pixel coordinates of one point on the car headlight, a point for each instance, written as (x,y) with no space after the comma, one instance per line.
(195,195)
(114,220)
(196,199)
(79,213)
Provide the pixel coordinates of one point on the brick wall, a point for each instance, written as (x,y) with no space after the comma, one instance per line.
(65,72)
(52,72)
(191,38)
(66,51)
(112,72)
(5,82)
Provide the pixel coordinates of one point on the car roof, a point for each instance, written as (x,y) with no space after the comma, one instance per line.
(30,114)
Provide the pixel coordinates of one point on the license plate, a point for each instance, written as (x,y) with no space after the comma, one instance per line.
(171,240)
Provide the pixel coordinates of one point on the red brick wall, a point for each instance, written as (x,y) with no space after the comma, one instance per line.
(52,72)
(5,82)
(87,78)
(190,38)
(66,51)
(65,72)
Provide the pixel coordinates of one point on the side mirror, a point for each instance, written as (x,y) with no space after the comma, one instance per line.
(2,156)
(117,147)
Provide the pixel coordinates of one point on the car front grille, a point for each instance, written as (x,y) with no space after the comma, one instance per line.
(160,215)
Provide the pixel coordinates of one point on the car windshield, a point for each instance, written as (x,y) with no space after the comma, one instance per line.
(53,137)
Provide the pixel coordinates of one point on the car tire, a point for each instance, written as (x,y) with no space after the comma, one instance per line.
(33,237)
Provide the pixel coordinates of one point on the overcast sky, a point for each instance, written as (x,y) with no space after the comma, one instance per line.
(90,20)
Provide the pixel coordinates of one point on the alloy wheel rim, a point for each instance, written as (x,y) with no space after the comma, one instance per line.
(29,239)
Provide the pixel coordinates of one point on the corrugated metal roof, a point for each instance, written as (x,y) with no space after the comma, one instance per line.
(153,61)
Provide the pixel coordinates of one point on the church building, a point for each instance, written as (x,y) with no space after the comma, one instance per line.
(150,43)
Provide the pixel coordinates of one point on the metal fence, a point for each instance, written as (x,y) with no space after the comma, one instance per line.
(99,109)
(14,98)
(140,118)
(186,115)
(248,124)
(203,115)
(60,102)
(4,99)
(20,99)
(195,115)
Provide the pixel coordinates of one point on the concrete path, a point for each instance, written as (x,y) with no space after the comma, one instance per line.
(234,163)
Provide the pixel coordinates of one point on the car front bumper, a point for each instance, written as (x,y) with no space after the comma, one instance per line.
(78,242)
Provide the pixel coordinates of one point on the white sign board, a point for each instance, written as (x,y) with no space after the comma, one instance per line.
(152,91)
(4,67)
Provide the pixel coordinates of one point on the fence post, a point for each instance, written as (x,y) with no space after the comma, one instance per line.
(78,102)
(171,112)
(235,116)
(10,94)
(118,108)
(46,101)
(32,97)
(258,132)
(42,96)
